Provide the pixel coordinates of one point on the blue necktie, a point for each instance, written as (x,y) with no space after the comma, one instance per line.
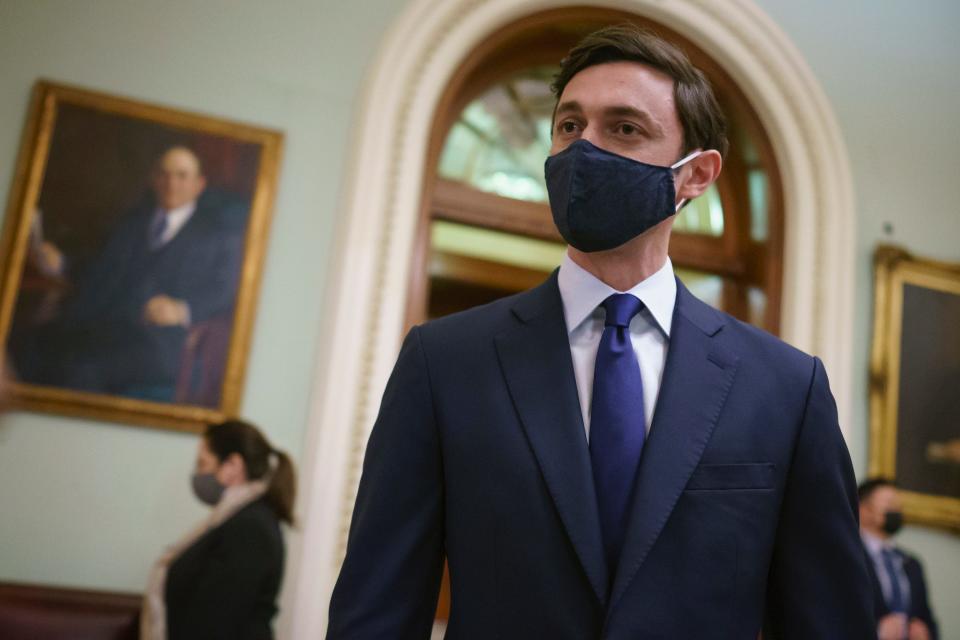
(157,229)
(617,424)
(897,602)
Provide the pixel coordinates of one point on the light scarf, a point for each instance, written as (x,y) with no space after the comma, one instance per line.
(153,615)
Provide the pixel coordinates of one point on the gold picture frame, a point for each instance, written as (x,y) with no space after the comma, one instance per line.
(87,174)
(915,384)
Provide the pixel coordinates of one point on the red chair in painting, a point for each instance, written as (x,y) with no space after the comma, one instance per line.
(204,362)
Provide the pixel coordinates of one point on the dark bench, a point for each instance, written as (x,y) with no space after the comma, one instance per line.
(30,612)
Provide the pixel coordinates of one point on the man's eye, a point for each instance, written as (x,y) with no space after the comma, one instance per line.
(567,127)
(627,129)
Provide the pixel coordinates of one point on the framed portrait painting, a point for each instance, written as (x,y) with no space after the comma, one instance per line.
(915,384)
(133,244)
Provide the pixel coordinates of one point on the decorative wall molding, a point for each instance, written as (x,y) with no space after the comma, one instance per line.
(367,290)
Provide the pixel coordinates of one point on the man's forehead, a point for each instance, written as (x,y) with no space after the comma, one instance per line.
(622,75)
(885,495)
(179,158)
(620,85)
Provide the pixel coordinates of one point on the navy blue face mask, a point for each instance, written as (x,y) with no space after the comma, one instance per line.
(600,200)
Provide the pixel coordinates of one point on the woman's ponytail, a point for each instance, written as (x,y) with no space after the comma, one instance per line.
(282,490)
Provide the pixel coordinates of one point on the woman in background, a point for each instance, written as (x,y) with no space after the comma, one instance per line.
(221,580)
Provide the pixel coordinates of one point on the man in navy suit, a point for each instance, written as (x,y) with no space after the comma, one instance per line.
(899,588)
(169,264)
(605,456)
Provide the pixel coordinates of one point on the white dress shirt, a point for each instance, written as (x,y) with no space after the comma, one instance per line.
(582,294)
(875,548)
(176,218)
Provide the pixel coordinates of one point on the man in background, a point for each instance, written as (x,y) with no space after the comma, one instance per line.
(899,588)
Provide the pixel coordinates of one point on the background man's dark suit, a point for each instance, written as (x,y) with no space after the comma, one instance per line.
(919,606)
(744,511)
(101,341)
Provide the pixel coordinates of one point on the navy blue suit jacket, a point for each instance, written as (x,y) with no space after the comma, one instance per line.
(743,514)
(919,605)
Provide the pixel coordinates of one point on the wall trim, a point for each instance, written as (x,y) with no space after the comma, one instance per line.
(367,292)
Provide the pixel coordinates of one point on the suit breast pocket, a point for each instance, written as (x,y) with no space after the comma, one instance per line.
(751,476)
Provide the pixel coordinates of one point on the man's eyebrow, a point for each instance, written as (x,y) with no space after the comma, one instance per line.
(571,106)
(632,112)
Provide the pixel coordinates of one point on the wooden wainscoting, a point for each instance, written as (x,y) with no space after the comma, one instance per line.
(35,612)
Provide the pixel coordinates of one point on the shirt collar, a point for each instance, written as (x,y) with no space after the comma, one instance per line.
(582,292)
(875,544)
(179,213)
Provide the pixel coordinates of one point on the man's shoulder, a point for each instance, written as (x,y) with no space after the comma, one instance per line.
(909,558)
(760,353)
(485,320)
(139,215)
(216,212)
(764,341)
(493,318)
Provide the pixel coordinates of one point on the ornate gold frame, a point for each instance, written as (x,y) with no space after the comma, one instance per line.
(24,192)
(894,268)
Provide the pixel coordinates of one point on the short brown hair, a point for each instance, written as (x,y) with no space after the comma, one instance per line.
(870,485)
(704,126)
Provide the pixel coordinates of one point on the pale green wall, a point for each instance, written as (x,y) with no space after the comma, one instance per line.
(91,504)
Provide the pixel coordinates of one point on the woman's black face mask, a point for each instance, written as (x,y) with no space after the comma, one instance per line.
(600,200)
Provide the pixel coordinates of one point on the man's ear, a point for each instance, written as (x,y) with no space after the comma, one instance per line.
(696,176)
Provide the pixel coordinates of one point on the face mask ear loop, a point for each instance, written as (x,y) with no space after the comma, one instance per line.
(685,160)
(676,166)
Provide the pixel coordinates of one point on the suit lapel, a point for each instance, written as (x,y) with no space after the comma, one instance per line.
(697,378)
(537,365)
(195,224)
(879,603)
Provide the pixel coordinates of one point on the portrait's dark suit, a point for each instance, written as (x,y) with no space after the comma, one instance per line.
(919,605)
(225,586)
(101,341)
(743,514)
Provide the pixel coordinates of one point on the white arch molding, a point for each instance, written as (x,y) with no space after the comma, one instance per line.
(367,292)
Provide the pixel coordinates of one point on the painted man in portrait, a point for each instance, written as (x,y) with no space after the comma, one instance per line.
(168,266)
